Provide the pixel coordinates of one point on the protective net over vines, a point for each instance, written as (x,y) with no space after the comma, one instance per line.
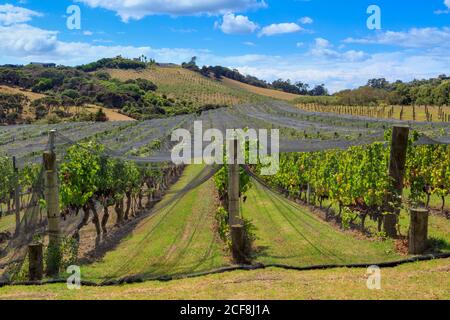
(129,214)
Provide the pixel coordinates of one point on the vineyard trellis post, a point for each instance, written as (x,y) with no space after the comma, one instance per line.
(236,226)
(397,167)
(418,231)
(36,263)
(52,201)
(233,184)
(16,195)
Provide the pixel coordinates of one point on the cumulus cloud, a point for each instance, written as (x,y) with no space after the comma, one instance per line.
(322,48)
(413,38)
(308,20)
(236,24)
(26,40)
(344,74)
(138,9)
(10,14)
(280,28)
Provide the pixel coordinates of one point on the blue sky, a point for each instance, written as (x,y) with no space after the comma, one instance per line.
(316,41)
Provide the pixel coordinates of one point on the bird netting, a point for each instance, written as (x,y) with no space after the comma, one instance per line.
(136,215)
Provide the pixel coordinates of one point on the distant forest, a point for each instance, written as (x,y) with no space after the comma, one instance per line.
(219,72)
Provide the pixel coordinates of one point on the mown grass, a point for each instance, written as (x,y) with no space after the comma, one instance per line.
(415,281)
(290,234)
(178,239)
(7,223)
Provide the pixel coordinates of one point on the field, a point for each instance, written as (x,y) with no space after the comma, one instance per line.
(275,94)
(187,85)
(422,280)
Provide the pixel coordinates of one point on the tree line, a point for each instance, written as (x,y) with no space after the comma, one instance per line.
(219,72)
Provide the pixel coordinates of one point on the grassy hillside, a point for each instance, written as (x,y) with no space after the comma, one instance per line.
(187,85)
(422,280)
(275,94)
(113,115)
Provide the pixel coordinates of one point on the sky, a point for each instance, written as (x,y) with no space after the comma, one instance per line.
(341,44)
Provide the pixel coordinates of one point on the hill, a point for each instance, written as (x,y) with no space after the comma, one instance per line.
(111,114)
(183,84)
(276,94)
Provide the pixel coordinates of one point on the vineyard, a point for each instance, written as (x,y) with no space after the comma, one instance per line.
(271,93)
(403,113)
(126,214)
(189,86)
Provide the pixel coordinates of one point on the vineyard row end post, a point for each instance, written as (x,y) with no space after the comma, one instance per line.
(418,231)
(397,168)
(16,195)
(53,210)
(236,227)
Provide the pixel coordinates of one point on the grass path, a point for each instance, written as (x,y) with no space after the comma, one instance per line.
(178,239)
(422,280)
(289,234)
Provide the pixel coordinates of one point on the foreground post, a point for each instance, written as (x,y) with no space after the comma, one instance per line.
(418,231)
(233,185)
(53,213)
(397,165)
(16,195)
(36,263)
(236,226)
(238,243)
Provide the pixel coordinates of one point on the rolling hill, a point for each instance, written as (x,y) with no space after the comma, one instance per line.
(113,115)
(183,84)
(275,94)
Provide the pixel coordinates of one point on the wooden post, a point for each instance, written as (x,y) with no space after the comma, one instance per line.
(233,185)
(16,196)
(238,244)
(236,226)
(308,194)
(53,211)
(397,165)
(36,263)
(418,231)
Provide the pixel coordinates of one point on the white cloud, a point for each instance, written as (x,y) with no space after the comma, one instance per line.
(306,20)
(343,74)
(10,14)
(237,24)
(413,38)
(88,33)
(447,3)
(323,63)
(280,28)
(138,9)
(24,40)
(322,48)
(249,43)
